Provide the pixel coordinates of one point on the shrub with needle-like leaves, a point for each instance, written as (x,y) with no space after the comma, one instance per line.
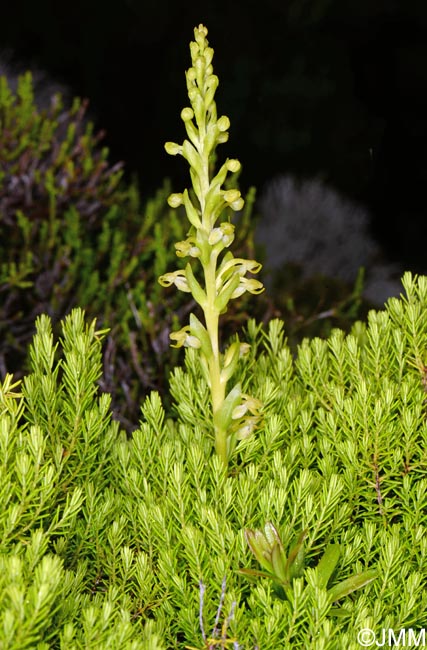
(106,541)
(138,542)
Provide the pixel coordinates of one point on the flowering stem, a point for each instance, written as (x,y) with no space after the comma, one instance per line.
(224,275)
(214,363)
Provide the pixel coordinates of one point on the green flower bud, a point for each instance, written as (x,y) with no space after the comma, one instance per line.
(232,165)
(193,93)
(230,196)
(209,53)
(194,51)
(187,114)
(172,148)
(175,200)
(200,34)
(199,66)
(223,124)
(211,90)
(191,76)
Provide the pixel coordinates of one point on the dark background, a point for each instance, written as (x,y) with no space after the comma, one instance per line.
(336,88)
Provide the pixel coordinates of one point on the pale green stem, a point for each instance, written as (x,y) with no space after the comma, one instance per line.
(212,315)
(214,363)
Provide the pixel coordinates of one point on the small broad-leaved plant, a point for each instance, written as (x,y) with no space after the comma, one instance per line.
(284,567)
(235,414)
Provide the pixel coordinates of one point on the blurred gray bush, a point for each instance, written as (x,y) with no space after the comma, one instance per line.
(307,223)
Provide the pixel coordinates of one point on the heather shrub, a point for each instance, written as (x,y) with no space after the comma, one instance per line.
(72,232)
(311,531)
(115,542)
(45,88)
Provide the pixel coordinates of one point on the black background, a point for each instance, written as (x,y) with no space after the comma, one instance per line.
(335,88)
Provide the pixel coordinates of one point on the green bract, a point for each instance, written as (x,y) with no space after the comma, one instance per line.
(224,277)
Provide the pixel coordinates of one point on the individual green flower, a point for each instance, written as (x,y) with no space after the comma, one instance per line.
(250,285)
(178,278)
(224,234)
(184,338)
(246,428)
(187,248)
(248,404)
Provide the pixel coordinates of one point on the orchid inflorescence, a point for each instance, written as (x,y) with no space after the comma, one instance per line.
(235,415)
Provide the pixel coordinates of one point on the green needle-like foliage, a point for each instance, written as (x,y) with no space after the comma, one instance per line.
(111,541)
(108,541)
(115,542)
(235,415)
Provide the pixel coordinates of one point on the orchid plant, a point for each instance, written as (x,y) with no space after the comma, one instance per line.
(282,568)
(223,277)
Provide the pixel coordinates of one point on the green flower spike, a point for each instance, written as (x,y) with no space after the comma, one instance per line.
(235,415)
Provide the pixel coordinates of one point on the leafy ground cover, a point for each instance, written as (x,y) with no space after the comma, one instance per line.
(310,535)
